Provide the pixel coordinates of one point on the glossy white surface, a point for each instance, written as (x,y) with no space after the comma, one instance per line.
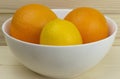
(60,61)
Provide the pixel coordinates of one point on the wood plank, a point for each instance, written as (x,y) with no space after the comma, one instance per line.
(106,6)
(115,17)
(108,68)
(3,17)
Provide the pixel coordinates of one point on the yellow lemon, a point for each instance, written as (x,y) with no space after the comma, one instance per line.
(60,32)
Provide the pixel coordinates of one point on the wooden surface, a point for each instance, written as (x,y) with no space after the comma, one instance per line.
(108,68)
(104,5)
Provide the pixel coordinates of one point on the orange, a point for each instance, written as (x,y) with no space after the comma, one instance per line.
(90,22)
(28,21)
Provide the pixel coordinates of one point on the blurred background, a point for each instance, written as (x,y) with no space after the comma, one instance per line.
(110,8)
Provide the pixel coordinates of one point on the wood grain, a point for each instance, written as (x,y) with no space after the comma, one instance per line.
(3,17)
(106,6)
(115,17)
(108,68)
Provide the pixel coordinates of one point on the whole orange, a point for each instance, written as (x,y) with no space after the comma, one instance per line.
(91,23)
(28,21)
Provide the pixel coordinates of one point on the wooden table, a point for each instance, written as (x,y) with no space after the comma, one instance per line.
(108,68)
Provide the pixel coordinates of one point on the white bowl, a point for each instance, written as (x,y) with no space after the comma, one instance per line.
(60,61)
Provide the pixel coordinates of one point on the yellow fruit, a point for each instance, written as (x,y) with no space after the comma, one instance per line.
(60,32)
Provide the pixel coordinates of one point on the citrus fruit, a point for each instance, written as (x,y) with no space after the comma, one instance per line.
(91,23)
(60,32)
(28,21)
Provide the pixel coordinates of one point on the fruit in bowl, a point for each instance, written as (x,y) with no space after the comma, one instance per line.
(91,23)
(60,61)
(28,21)
(60,32)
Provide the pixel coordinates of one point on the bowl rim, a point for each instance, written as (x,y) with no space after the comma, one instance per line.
(33,44)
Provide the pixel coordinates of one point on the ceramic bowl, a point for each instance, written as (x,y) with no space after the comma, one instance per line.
(60,61)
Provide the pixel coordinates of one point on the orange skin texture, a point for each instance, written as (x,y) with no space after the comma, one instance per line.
(91,24)
(28,21)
